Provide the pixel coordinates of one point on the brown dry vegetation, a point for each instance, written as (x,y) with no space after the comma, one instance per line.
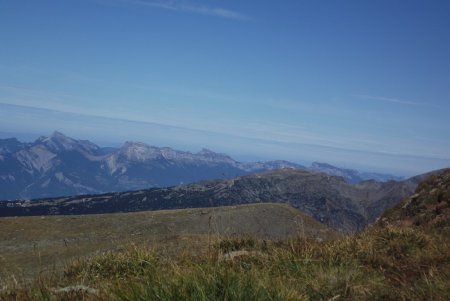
(392,260)
(428,208)
(378,264)
(29,245)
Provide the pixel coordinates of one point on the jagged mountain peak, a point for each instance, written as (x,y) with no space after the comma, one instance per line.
(136,145)
(205,151)
(128,144)
(139,151)
(58,142)
(209,154)
(30,167)
(57,134)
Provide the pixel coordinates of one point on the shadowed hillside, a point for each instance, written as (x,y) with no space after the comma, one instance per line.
(402,259)
(429,207)
(329,199)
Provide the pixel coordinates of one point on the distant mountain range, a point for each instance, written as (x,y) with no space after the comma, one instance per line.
(329,199)
(351,175)
(60,166)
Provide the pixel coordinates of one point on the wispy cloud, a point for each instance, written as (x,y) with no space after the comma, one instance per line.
(190,7)
(276,132)
(394,100)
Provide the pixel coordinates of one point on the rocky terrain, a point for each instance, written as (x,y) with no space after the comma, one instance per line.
(59,165)
(329,199)
(429,207)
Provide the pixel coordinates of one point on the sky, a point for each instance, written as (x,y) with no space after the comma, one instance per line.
(358,84)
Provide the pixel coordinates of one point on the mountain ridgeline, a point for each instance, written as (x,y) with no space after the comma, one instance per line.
(333,201)
(60,166)
(351,175)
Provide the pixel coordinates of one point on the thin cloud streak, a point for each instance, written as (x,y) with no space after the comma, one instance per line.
(229,127)
(273,133)
(192,8)
(280,132)
(394,100)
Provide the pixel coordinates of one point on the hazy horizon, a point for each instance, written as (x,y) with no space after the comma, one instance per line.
(246,157)
(357,84)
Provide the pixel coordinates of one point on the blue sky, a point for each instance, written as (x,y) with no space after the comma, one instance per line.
(360,84)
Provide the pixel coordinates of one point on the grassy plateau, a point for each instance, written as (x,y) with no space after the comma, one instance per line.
(253,252)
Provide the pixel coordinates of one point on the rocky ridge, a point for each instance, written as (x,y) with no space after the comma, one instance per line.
(428,207)
(59,165)
(329,199)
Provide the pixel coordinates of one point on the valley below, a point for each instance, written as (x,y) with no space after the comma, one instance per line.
(344,206)
(247,231)
(262,251)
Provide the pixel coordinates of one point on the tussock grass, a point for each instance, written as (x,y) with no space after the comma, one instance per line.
(29,245)
(377,264)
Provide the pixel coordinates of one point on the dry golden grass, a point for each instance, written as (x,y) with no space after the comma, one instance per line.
(207,264)
(29,245)
(378,264)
